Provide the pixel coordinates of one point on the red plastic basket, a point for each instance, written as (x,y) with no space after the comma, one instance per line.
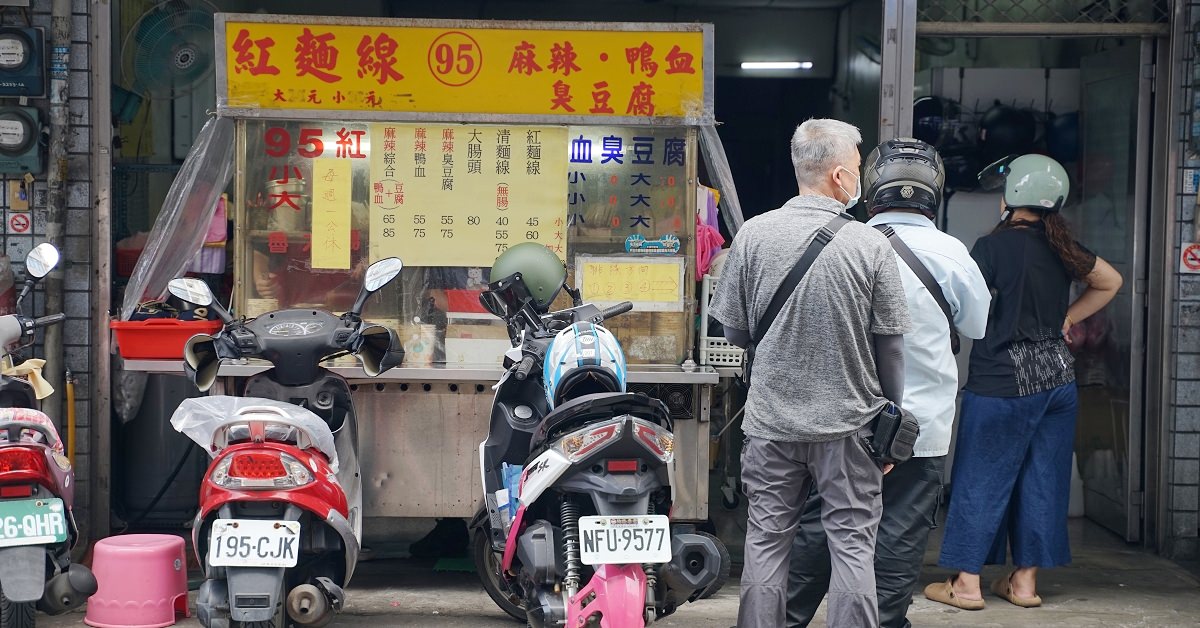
(158,338)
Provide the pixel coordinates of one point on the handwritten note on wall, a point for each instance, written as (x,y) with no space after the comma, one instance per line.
(652,284)
(331,214)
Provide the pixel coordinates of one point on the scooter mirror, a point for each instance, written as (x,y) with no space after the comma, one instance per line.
(380,350)
(378,275)
(193,291)
(41,260)
(382,272)
(201,362)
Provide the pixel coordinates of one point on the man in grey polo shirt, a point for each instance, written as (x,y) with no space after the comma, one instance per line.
(825,368)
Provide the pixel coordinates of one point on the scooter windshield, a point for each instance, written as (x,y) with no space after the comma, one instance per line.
(217,421)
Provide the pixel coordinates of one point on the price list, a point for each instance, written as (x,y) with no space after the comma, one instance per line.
(459,195)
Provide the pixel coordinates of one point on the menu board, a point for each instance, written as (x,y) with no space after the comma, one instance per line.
(459,195)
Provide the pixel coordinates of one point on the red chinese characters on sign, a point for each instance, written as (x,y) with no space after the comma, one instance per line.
(502,196)
(600,98)
(641,59)
(349,143)
(316,56)
(562,97)
(524,59)
(277,242)
(641,101)
(679,62)
(254,62)
(377,58)
(285,197)
(562,59)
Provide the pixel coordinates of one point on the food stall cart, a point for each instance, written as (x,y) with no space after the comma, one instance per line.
(443,143)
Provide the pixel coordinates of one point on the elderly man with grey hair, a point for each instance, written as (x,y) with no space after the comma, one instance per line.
(823,370)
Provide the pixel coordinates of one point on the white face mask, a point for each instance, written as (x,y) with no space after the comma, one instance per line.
(853,198)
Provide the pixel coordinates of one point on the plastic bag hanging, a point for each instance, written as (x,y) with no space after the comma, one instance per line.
(179,231)
(718,168)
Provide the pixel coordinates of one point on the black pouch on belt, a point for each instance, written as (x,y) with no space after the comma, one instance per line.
(894,432)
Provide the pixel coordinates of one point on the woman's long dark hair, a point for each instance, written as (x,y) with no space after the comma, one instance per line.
(1077,261)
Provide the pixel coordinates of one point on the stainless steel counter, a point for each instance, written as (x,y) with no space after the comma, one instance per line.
(637,373)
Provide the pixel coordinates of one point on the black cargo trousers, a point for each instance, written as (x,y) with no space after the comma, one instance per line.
(911,494)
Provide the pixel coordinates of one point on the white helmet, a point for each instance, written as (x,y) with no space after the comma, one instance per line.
(582,359)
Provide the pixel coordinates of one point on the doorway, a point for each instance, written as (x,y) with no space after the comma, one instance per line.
(1087,102)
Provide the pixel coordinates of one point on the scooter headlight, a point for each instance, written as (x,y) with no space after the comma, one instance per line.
(263,470)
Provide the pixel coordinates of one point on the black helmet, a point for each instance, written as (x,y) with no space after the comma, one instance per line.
(904,173)
(1005,130)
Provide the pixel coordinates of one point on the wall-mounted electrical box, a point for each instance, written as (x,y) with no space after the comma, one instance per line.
(21,145)
(22,62)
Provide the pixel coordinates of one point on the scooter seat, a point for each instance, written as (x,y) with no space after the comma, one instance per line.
(598,407)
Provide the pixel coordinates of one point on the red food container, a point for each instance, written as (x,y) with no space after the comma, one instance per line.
(464,301)
(158,338)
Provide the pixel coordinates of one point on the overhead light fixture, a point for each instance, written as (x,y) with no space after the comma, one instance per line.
(777,65)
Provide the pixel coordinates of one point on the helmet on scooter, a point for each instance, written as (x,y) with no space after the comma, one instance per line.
(582,359)
(541,271)
(904,173)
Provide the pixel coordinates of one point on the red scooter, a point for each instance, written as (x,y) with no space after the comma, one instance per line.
(37,481)
(280,520)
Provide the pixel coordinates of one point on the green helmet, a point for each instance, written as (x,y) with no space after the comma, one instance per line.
(541,271)
(1032,181)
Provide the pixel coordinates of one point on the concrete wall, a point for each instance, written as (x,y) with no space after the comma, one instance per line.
(1181,454)
(77,263)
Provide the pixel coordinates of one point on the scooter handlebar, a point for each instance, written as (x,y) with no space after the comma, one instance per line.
(49,320)
(524,368)
(616,310)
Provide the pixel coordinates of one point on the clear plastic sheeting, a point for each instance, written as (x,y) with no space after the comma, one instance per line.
(717,165)
(214,422)
(179,231)
(128,389)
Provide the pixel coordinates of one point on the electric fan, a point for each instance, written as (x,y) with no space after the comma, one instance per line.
(170,50)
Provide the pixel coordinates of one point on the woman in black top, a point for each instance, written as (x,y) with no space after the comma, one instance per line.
(1012,466)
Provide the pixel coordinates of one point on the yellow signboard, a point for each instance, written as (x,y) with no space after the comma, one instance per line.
(391,66)
(458,195)
(652,284)
(331,213)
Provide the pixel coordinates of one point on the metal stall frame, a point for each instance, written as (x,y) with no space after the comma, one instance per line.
(1156,196)
(454,400)
(100,471)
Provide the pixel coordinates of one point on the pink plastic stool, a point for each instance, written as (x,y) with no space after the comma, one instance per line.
(142,582)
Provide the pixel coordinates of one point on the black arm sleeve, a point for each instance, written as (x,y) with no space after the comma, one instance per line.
(739,337)
(889,365)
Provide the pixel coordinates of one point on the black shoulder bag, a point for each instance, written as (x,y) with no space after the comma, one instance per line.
(824,235)
(914,263)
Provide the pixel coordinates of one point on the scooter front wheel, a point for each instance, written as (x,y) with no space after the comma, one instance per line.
(487,565)
(15,614)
